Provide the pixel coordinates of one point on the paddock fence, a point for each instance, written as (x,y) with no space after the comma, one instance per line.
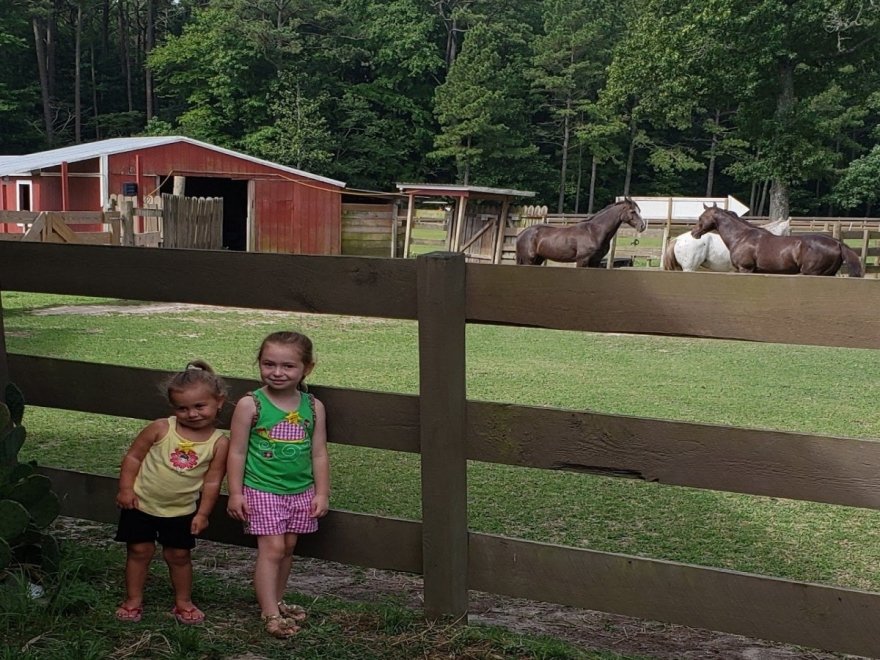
(443,294)
(862,234)
(63,227)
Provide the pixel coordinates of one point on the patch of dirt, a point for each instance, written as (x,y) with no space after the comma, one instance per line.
(586,629)
(147,309)
(122,308)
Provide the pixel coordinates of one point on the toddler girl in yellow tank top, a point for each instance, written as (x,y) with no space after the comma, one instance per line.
(168,484)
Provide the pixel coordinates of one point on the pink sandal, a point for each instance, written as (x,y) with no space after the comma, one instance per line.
(129,614)
(292,611)
(188,617)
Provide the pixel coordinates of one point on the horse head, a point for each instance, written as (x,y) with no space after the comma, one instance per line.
(706,222)
(633,215)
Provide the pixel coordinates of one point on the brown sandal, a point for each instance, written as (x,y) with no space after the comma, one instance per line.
(292,611)
(279,627)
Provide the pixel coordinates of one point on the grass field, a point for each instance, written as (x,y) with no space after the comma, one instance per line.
(807,389)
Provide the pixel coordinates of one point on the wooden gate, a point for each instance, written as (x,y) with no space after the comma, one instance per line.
(63,226)
(192,222)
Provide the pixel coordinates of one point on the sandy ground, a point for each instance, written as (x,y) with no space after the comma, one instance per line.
(585,629)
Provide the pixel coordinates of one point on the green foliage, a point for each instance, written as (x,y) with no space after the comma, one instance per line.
(860,182)
(297,135)
(482,107)
(27,503)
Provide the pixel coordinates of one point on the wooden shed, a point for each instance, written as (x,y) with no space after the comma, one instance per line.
(478,220)
(267,207)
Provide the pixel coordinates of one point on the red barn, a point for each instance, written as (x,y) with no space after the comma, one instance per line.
(266,207)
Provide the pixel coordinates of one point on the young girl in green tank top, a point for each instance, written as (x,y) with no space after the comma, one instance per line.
(279,471)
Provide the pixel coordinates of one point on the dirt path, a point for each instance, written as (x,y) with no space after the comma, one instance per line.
(586,629)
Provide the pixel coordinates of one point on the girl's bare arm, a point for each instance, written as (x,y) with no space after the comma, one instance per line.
(131,462)
(239,433)
(211,485)
(320,463)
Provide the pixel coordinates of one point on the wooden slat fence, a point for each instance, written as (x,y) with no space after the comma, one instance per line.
(372,230)
(443,293)
(192,222)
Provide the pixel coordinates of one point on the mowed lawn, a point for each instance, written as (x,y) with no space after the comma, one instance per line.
(806,389)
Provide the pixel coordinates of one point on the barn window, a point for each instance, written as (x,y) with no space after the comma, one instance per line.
(24,195)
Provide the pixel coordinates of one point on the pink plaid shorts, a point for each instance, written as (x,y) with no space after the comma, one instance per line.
(270,514)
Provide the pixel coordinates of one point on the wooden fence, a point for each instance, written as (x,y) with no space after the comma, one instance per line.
(61,226)
(862,234)
(192,222)
(371,230)
(443,294)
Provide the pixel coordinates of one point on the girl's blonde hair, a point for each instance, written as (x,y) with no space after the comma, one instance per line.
(197,372)
(293,339)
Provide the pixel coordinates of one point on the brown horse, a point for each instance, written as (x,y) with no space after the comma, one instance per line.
(585,243)
(753,250)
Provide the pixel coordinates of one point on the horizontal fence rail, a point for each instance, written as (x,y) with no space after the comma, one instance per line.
(795,310)
(824,469)
(825,311)
(356,286)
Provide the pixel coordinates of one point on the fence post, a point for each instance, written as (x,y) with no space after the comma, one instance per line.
(442,394)
(126,217)
(4,360)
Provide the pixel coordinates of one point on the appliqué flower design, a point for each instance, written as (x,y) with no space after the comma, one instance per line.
(184,458)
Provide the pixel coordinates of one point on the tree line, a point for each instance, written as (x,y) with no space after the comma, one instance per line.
(774,101)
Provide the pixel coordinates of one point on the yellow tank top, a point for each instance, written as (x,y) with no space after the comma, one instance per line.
(172,473)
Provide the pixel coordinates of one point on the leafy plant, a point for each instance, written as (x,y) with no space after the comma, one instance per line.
(27,503)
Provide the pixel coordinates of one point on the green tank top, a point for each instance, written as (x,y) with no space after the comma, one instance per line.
(279,455)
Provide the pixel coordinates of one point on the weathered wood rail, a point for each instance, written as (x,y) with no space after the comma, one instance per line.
(443,293)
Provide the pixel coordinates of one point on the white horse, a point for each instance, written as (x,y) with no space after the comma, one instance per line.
(687,253)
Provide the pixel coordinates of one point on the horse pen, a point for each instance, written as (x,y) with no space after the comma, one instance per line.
(443,294)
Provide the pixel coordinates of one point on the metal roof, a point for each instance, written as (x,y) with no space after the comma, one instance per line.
(19,165)
(8,159)
(458,190)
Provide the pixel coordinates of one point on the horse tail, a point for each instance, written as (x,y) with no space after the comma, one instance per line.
(853,261)
(669,260)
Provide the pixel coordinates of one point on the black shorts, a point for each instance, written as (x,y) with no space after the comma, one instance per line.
(138,527)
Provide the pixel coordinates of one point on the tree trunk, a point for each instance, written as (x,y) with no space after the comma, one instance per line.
(593,169)
(51,47)
(580,178)
(451,45)
(764,187)
(779,199)
(467,163)
(44,81)
(713,149)
(780,190)
(77,77)
(124,53)
(95,112)
(630,156)
(563,169)
(105,28)
(149,42)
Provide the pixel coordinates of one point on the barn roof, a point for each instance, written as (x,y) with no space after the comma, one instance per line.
(8,159)
(12,165)
(454,190)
